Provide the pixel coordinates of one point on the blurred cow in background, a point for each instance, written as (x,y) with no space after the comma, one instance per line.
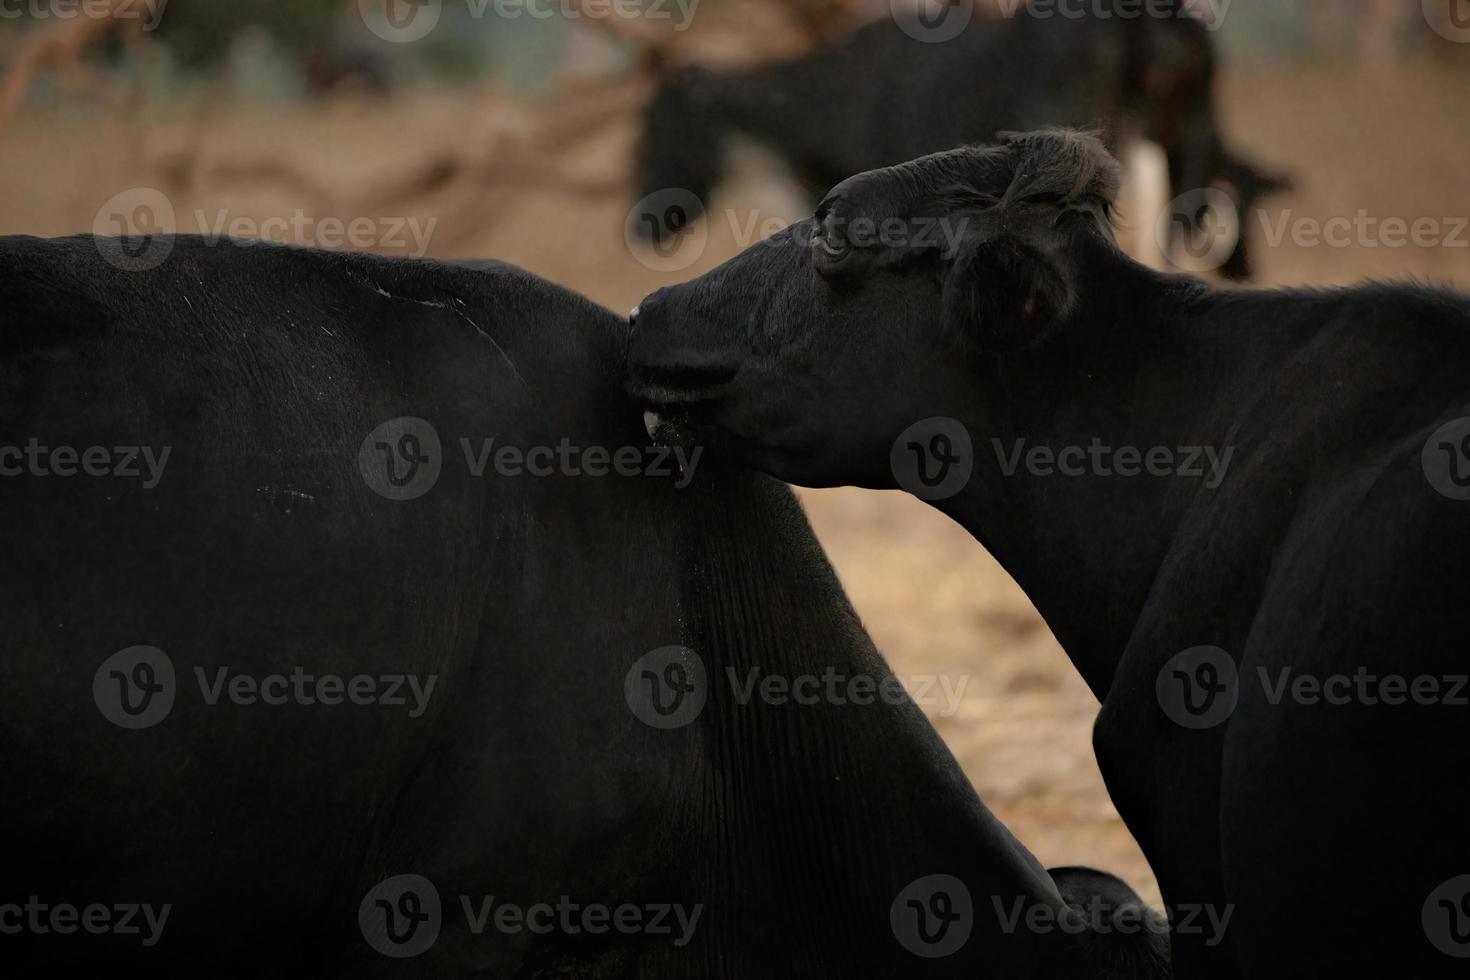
(905,86)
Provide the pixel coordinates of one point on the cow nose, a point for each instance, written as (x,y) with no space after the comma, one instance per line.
(649,306)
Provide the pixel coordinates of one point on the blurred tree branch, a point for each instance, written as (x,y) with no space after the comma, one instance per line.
(507,145)
(60,46)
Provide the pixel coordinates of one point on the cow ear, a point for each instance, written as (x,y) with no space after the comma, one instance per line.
(1011,279)
(1003,294)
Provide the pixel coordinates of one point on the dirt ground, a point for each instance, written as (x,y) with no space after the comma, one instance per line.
(1393,142)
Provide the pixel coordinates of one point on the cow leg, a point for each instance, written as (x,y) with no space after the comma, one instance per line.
(1137,746)
(1344,792)
(1147,167)
(1333,847)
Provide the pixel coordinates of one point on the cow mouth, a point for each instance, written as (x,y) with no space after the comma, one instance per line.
(679,425)
(676,417)
(680,389)
(679,408)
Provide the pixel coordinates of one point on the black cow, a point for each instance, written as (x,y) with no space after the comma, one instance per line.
(539,671)
(883,96)
(1243,514)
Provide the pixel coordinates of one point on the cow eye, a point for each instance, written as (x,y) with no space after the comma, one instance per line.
(833,246)
(831,253)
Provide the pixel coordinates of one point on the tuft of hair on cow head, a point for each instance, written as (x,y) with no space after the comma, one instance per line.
(1011,276)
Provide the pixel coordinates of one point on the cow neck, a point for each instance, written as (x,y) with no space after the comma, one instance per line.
(782,610)
(1142,364)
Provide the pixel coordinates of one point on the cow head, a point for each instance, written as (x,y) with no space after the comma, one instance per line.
(813,350)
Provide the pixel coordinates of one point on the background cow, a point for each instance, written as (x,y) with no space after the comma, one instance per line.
(1271,611)
(316,511)
(883,96)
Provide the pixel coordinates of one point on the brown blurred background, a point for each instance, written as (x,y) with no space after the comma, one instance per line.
(511,137)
